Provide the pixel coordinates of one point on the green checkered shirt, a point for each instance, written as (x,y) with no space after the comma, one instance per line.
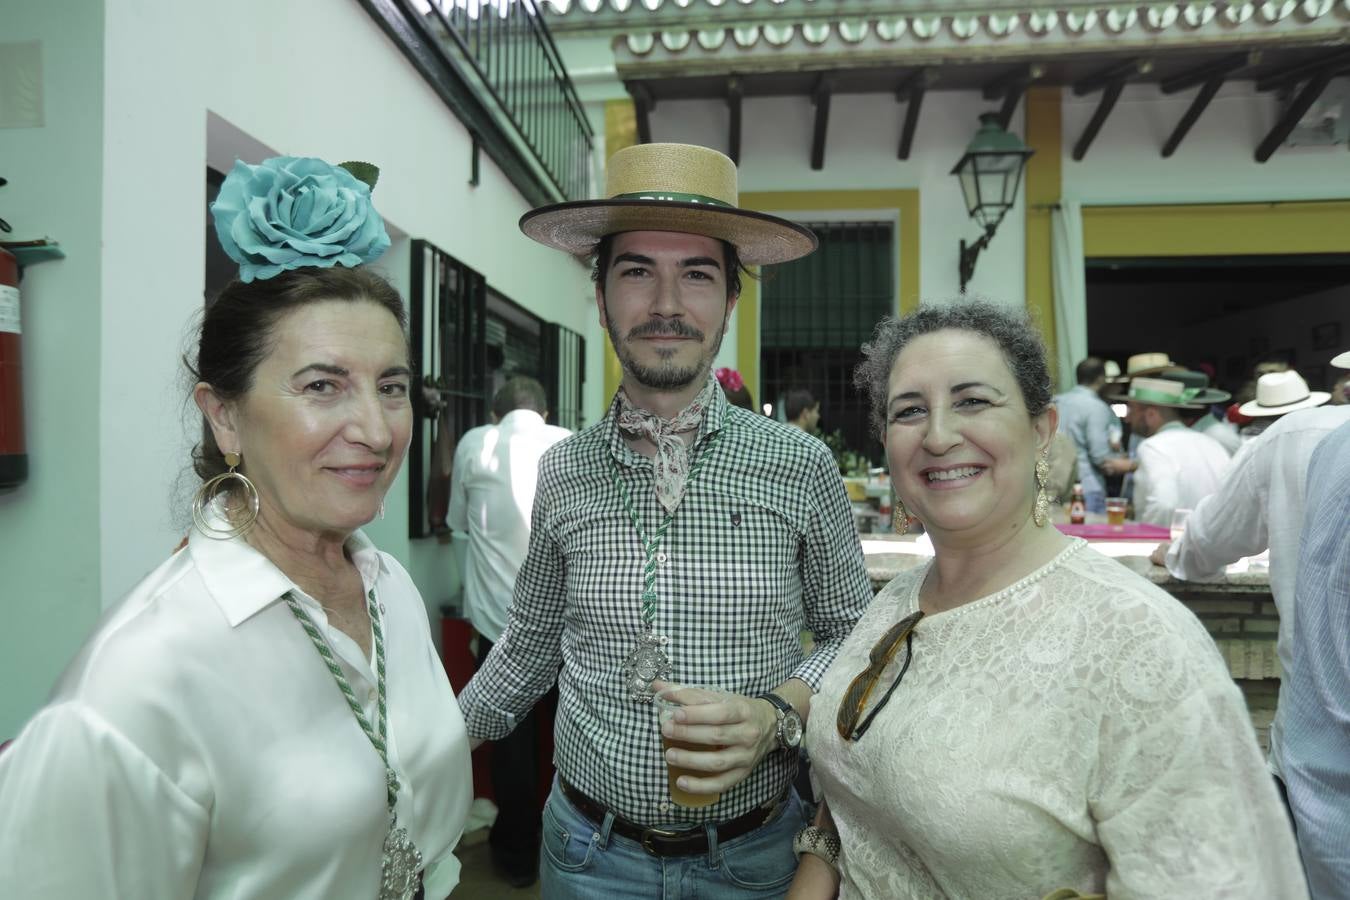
(763,545)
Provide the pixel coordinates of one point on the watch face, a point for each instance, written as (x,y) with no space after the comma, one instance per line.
(791,729)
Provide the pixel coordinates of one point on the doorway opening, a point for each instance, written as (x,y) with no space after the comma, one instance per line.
(1224,314)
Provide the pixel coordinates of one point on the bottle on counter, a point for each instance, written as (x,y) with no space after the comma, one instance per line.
(1077,506)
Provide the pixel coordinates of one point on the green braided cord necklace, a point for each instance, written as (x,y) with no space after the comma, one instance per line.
(649,659)
(401,864)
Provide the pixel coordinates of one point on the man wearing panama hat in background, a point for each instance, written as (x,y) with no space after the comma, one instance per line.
(1260,505)
(1315,687)
(1175,466)
(678,541)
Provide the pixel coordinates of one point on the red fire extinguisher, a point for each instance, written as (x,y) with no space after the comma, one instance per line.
(13,455)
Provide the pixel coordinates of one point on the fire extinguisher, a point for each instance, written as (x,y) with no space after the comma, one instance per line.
(13,455)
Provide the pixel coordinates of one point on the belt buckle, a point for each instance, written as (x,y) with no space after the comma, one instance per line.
(649,833)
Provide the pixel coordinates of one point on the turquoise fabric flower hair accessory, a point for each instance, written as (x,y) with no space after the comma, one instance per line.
(289,212)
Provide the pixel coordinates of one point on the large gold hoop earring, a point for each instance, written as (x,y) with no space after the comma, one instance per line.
(207,493)
(1041,514)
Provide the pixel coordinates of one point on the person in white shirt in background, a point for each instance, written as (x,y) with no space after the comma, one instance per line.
(1140,365)
(1222,430)
(1089,423)
(1176,467)
(1260,506)
(492,489)
(1315,689)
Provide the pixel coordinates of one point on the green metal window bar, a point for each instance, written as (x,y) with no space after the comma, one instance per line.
(817,312)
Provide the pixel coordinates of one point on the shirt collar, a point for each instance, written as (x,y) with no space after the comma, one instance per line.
(518,417)
(243,582)
(714,417)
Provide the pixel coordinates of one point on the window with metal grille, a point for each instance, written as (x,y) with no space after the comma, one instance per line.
(564,368)
(467,341)
(815,314)
(448,331)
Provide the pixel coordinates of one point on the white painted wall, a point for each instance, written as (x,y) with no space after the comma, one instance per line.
(1214,164)
(860,154)
(117,174)
(275,79)
(49,527)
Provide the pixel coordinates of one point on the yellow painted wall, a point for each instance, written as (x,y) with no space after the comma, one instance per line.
(620,132)
(1043,183)
(1219,229)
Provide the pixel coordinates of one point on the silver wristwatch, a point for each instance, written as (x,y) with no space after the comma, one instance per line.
(789,722)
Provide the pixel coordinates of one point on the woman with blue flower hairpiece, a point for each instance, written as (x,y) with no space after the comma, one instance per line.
(264,715)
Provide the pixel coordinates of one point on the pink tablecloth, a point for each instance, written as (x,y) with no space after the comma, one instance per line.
(1130,531)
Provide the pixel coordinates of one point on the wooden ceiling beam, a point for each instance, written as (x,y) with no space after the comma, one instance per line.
(1121,72)
(735,93)
(1219,68)
(643,104)
(1291,75)
(1108,102)
(820,96)
(1012,88)
(1296,110)
(1110,81)
(911,92)
(1193,112)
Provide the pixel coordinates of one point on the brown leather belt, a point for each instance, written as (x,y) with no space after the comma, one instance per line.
(663,842)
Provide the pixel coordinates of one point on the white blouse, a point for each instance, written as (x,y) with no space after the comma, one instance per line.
(1076,730)
(198,746)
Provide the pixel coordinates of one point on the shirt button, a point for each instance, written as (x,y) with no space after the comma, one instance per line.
(661,557)
(372,695)
(663,806)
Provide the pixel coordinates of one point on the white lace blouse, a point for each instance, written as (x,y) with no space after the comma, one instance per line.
(1077,729)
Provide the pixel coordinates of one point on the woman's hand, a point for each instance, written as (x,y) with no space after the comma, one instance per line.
(815,880)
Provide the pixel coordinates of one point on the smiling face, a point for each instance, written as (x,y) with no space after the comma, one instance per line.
(959,439)
(664,303)
(325,425)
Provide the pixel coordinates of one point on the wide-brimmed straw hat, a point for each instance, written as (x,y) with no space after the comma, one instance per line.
(1278,393)
(1149,364)
(669,187)
(1177,389)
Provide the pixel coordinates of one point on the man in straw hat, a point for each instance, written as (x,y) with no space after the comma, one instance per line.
(679,541)
(1260,506)
(1315,689)
(1175,466)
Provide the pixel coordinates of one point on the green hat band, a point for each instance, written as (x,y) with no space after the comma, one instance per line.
(1151,396)
(673,197)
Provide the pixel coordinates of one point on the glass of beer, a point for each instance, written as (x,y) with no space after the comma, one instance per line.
(1115,511)
(665,710)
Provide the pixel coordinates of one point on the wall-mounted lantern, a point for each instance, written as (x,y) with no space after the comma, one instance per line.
(990,172)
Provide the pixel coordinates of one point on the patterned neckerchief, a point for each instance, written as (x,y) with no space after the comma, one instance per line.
(671,465)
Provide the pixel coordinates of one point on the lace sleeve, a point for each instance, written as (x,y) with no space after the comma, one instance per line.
(1183,803)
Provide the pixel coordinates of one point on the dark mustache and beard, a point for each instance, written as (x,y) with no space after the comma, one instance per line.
(665,375)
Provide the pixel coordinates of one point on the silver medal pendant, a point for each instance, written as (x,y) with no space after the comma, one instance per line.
(401,865)
(646,662)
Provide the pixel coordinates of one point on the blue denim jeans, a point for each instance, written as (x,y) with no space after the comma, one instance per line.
(585,860)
